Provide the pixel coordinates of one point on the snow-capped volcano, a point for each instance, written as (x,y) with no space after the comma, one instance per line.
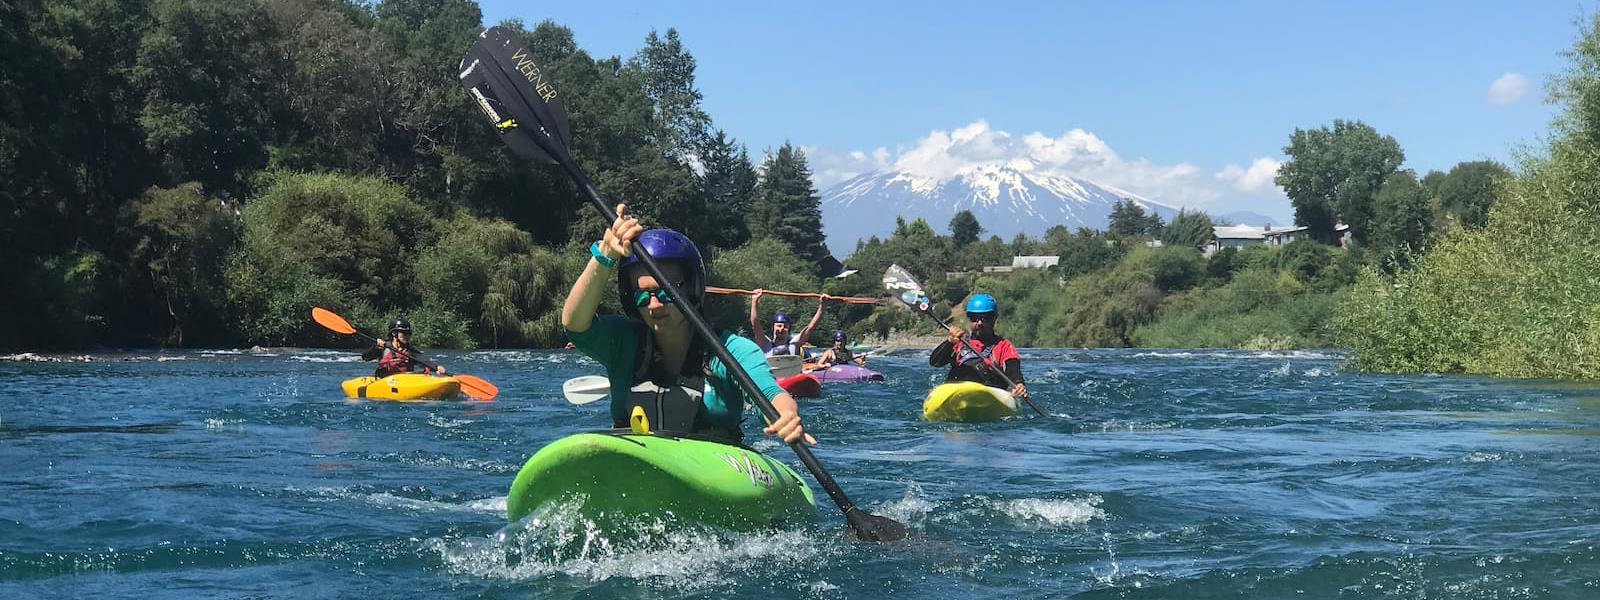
(1006,197)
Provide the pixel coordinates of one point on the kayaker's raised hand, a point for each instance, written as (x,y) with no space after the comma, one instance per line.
(757,293)
(440,369)
(955,336)
(618,241)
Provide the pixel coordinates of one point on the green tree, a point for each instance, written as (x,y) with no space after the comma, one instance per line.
(1085,251)
(210,74)
(1468,191)
(1334,174)
(1403,218)
(964,229)
(1188,229)
(182,237)
(787,206)
(668,73)
(333,239)
(1129,220)
(728,184)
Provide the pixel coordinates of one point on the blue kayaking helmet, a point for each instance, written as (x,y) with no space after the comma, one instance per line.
(838,335)
(982,303)
(665,245)
(780,317)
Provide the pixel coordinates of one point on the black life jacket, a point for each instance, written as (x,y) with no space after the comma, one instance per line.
(671,402)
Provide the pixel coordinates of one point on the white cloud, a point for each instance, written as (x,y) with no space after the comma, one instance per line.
(1076,153)
(1508,89)
(1260,174)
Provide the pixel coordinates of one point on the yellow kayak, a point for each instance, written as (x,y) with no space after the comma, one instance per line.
(968,401)
(402,386)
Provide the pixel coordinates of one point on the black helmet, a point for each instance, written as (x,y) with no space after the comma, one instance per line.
(400,324)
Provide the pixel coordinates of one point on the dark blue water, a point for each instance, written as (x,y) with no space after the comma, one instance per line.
(1177,475)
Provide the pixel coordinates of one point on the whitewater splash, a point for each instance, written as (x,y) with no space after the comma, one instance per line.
(556,541)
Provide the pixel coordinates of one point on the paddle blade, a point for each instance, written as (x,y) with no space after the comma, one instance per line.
(586,389)
(332,321)
(516,96)
(897,280)
(477,387)
(876,528)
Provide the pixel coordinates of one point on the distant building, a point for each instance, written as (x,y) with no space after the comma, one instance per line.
(1034,262)
(1017,262)
(1240,236)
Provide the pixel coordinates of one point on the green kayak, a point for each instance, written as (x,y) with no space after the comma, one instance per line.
(623,475)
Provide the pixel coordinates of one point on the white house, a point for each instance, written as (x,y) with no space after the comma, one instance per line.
(1240,236)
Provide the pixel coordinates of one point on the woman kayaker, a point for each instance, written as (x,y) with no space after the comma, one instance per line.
(839,353)
(781,343)
(396,355)
(994,350)
(652,356)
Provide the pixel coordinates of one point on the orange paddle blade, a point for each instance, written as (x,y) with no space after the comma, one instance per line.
(476,387)
(333,322)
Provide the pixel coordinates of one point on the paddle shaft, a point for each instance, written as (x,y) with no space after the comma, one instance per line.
(853,515)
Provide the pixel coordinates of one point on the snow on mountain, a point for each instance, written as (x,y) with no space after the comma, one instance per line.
(1007,198)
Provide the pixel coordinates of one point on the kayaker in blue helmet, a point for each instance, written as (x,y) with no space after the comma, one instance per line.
(982,310)
(396,354)
(839,353)
(781,342)
(651,353)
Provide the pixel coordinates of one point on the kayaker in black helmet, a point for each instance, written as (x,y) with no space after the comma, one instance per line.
(396,354)
(652,356)
(839,353)
(781,342)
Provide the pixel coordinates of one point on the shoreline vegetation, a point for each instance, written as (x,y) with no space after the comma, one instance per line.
(204,191)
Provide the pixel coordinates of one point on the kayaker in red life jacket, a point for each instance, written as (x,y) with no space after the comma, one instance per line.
(651,354)
(781,342)
(396,355)
(839,353)
(993,349)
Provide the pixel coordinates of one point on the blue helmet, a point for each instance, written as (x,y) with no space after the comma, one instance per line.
(665,245)
(981,303)
(838,335)
(780,317)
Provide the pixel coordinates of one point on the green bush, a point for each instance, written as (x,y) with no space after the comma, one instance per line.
(1517,297)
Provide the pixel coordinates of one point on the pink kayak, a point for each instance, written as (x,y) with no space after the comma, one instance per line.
(847,372)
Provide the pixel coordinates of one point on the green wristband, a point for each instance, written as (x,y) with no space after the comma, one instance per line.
(609,262)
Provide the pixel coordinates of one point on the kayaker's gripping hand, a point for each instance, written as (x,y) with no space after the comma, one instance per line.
(440,369)
(618,241)
(955,336)
(789,428)
(1020,390)
(383,345)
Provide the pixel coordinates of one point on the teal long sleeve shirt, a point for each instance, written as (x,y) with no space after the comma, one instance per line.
(612,341)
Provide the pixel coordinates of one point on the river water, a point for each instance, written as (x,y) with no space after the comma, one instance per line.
(1159,474)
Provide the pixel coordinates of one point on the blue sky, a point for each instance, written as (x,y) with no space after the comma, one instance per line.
(1186,103)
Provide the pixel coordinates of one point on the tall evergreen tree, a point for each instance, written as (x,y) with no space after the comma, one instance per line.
(1192,229)
(668,71)
(1128,220)
(964,228)
(728,184)
(787,206)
